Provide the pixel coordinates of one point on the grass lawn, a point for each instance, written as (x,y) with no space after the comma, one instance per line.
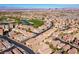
(36,22)
(17,20)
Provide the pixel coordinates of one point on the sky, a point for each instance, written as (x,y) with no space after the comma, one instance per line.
(39,5)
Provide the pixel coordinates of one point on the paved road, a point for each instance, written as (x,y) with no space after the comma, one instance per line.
(18,44)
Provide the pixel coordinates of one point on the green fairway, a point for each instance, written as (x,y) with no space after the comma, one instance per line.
(36,22)
(17,20)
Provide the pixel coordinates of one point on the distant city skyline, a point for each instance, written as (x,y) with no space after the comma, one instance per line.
(39,5)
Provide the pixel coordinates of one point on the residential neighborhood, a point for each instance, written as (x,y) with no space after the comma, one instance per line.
(39,31)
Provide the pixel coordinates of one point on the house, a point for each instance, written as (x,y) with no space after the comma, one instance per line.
(68,38)
(60,45)
(6,28)
(1,31)
(66,47)
(16,51)
(73,51)
(11,26)
(2,47)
